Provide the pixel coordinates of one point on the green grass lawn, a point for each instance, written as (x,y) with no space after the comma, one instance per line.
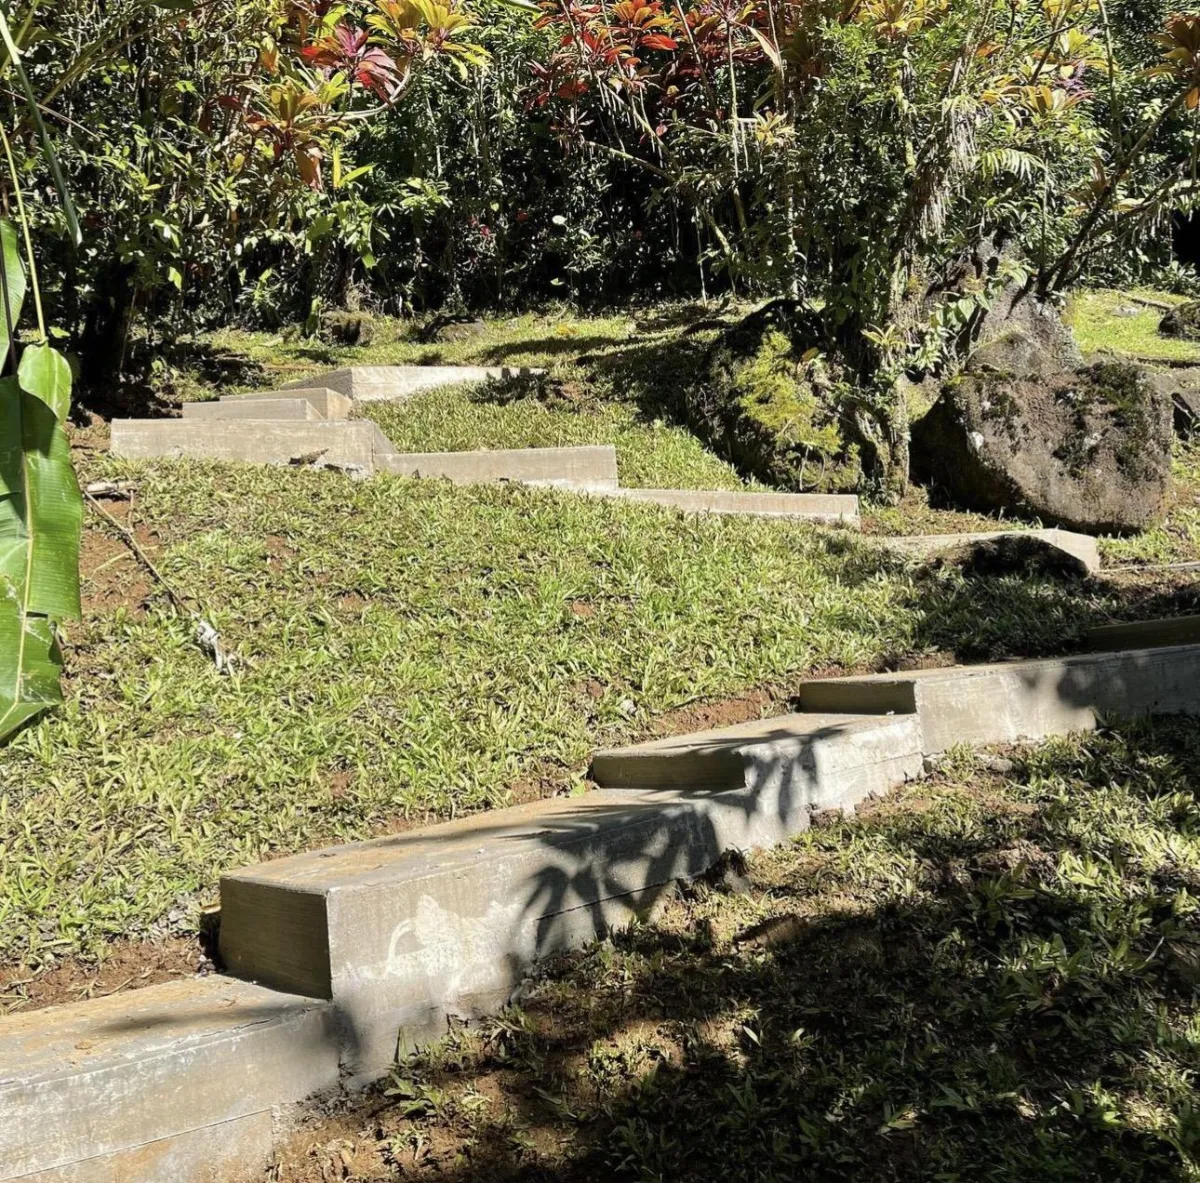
(1098,327)
(407,651)
(987,976)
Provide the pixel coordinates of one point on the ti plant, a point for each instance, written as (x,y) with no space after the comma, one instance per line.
(40,507)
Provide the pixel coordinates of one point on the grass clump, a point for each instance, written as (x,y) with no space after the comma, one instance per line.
(988,976)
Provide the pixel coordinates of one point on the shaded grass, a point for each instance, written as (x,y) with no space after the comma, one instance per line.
(408,650)
(988,976)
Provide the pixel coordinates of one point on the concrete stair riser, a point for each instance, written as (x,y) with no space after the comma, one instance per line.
(579,469)
(260,441)
(1022,700)
(397,383)
(327,403)
(827,509)
(1146,634)
(1081,546)
(259,408)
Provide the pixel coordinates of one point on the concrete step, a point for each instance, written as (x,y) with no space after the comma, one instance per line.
(1083,547)
(262,441)
(829,508)
(585,469)
(401,932)
(328,403)
(170,1083)
(260,408)
(1021,699)
(396,383)
(1146,634)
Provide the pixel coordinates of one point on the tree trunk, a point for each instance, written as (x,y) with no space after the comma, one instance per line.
(105,341)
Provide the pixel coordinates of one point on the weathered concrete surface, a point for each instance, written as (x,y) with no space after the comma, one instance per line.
(401,932)
(154,1078)
(1146,634)
(831,508)
(585,469)
(259,408)
(1021,699)
(237,1151)
(395,383)
(328,403)
(257,440)
(1081,546)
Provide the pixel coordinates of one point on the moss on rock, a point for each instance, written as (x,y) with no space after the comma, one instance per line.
(770,402)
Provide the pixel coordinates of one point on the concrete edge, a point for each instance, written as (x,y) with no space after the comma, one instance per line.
(1146,634)
(1083,547)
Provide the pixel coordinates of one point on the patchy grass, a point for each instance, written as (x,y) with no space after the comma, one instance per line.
(991,975)
(1098,327)
(407,651)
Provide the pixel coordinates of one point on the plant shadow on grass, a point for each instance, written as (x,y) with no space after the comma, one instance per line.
(976,979)
(651,374)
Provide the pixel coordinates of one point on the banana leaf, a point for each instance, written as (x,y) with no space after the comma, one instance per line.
(41,514)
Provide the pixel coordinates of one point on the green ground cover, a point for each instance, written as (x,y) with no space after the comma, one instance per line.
(989,975)
(407,650)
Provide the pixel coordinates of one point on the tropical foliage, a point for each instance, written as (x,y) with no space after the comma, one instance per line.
(891,163)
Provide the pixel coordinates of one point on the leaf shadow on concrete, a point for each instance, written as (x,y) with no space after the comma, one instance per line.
(990,985)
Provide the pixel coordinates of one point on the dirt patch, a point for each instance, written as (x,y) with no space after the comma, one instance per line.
(112,576)
(723,712)
(128,965)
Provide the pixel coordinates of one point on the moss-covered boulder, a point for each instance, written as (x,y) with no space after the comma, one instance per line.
(768,400)
(1089,449)
(348,328)
(1182,321)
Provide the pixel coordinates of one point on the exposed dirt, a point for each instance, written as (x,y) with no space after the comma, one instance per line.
(724,712)
(128,965)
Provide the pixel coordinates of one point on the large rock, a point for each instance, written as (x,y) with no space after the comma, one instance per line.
(1024,335)
(1182,386)
(1089,449)
(767,400)
(1182,321)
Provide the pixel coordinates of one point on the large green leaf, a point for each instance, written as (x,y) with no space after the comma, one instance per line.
(40,516)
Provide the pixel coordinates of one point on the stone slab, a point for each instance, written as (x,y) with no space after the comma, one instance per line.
(260,441)
(1081,546)
(111,1076)
(585,469)
(1146,634)
(1022,699)
(397,383)
(401,932)
(328,403)
(827,508)
(262,408)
